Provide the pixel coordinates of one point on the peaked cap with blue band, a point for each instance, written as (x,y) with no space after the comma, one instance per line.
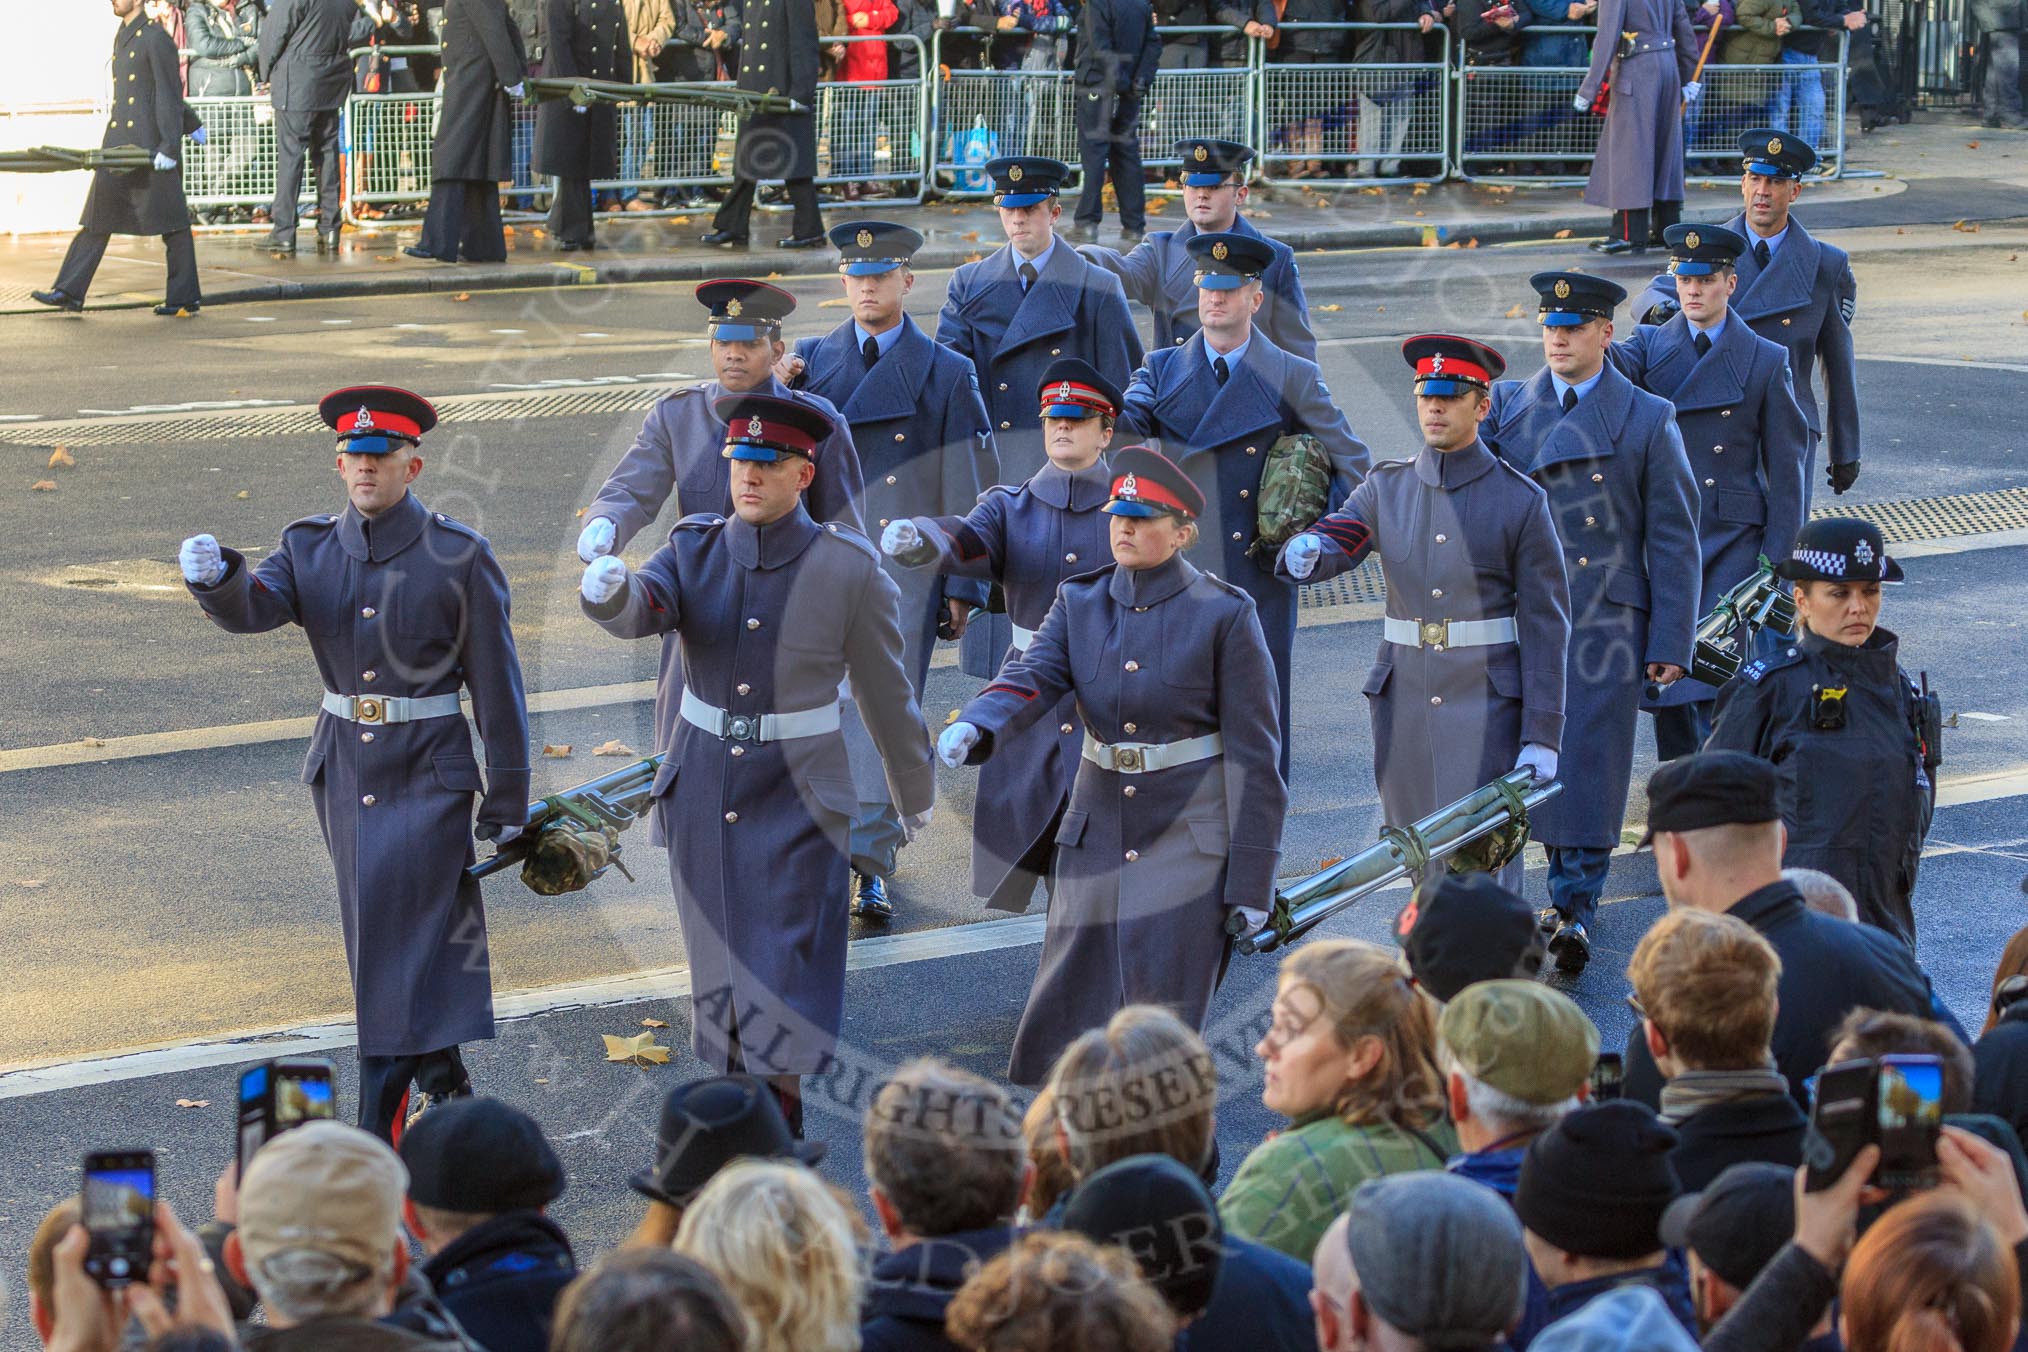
(1024,180)
(1446,364)
(743,310)
(1209,161)
(1570,298)
(1226,262)
(1700,250)
(762,427)
(1773,153)
(370,419)
(868,248)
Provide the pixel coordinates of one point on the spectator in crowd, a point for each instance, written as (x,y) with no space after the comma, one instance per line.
(1754,38)
(651,25)
(1566,50)
(1462,928)
(1419,1261)
(472,150)
(648,1300)
(1162,1214)
(1054,1292)
(224,54)
(854,129)
(305,63)
(2000,1057)
(1351,1062)
(1824,894)
(175,1303)
(692,52)
(1872,1033)
(1147,1055)
(530,18)
(49,1232)
(1931,1274)
(1798,103)
(1049,1174)
(1299,127)
(1623,1319)
(480,1174)
(1706,986)
(1730,1232)
(1185,51)
(1714,821)
(946,1167)
(1999,24)
(1387,106)
(1029,32)
(707,1124)
(381,23)
(1591,1196)
(1488,33)
(781,1243)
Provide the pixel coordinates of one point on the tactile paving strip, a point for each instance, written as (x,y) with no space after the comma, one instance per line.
(1940,518)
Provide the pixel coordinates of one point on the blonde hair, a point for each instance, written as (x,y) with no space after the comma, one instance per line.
(780,1242)
(1708,982)
(1059,1292)
(1363,993)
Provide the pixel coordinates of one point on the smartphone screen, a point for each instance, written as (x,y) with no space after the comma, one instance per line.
(1842,1121)
(253,1112)
(1608,1075)
(118,1207)
(1911,1117)
(302,1093)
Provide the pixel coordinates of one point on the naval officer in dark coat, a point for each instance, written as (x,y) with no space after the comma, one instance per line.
(1743,432)
(772,610)
(1468,682)
(1176,816)
(1027,539)
(404,607)
(777,42)
(1625,506)
(587,39)
(1217,404)
(912,409)
(1160,274)
(484,69)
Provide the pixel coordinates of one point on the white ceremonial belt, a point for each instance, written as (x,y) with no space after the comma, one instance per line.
(1134,758)
(757,727)
(1441,634)
(1022,637)
(390,709)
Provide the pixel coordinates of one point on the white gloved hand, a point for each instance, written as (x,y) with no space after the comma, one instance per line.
(1301,555)
(596,538)
(508,835)
(901,537)
(1581,103)
(603,580)
(515,91)
(1692,91)
(163,163)
(202,564)
(580,107)
(199,137)
(956,742)
(1537,759)
(1256,920)
(913,826)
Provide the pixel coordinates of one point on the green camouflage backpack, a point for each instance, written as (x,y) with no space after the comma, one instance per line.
(1295,486)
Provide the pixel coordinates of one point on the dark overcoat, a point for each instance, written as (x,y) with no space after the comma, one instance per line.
(1028,539)
(779,53)
(409,604)
(770,619)
(1160,274)
(147,111)
(305,54)
(1625,507)
(587,40)
(1461,535)
(483,59)
(1640,151)
(1147,865)
(1746,441)
(1220,435)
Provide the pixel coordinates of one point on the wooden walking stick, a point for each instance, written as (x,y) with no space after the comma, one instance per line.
(1717,22)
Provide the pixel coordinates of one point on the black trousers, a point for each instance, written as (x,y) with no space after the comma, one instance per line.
(570,212)
(1680,729)
(384,1082)
(1109,140)
(464,217)
(300,132)
(87,247)
(735,213)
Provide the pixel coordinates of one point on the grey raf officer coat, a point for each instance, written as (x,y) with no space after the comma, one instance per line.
(1146,864)
(1625,506)
(1640,149)
(1160,274)
(1461,536)
(410,603)
(771,619)
(1028,540)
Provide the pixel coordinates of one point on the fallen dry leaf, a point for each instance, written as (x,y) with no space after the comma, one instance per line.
(580,511)
(1419,190)
(30,883)
(1260,215)
(654,1023)
(641,1050)
(242,495)
(1455,244)
(975,257)
(540,233)
(462,295)
(1563,234)
(834,303)
(556,751)
(1332,308)
(1373,192)
(772,276)
(1899,230)
(92,741)
(193,1103)
(1418,213)
(1971,145)
(679,220)
(616,747)
(43,486)
(61,457)
(383,258)
(1329,862)
(1514,313)
(506,229)
(1965,228)
(970,237)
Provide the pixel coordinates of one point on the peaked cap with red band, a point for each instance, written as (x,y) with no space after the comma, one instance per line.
(1074,389)
(762,427)
(1148,483)
(1446,364)
(368,418)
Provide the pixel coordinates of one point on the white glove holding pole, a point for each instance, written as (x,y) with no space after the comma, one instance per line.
(956,742)
(201,561)
(915,825)
(901,537)
(507,836)
(1538,760)
(1301,555)
(596,538)
(603,580)
(163,163)
(1692,91)
(1581,104)
(516,90)
(1256,920)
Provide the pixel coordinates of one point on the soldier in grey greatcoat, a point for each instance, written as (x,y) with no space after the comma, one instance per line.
(1469,679)
(913,411)
(403,607)
(1217,405)
(773,610)
(1028,539)
(1647,50)
(1743,432)
(587,40)
(485,68)
(1625,506)
(1176,816)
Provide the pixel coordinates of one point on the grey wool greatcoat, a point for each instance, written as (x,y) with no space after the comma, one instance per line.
(410,603)
(1746,442)
(587,39)
(1028,540)
(483,59)
(147,111)
(1640,150)
(1146,864)
(770,620)
(1461,535)
(1625,506)
(1160,274)
(1220,436)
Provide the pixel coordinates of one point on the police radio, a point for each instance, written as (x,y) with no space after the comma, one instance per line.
(1927,717)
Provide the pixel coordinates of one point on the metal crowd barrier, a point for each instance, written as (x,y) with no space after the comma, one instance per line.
(1372,120)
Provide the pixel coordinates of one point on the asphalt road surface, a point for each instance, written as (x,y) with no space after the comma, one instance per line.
(161,878)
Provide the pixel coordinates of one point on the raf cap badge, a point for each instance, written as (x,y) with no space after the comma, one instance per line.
(1774,145)
(1014,174)
(732,307)
(1690,238)
(1562,290)
(1202,154)
(1219,251)
(864,239)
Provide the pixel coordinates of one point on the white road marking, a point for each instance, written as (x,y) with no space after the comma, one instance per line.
(259,319)
(195,406)
(1985,718)
(1942,361)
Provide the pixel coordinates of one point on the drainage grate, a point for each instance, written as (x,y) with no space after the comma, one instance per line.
(1940,518)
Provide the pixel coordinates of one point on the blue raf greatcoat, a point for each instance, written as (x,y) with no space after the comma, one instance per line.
(1220,436)
(1746,442)
(1160,274)
(1625,507)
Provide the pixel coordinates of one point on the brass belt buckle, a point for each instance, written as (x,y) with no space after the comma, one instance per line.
(368,710)
(1127,758)
(1435,633)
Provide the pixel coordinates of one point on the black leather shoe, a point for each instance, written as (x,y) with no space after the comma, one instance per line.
(413,252)
(803,242)
(1618,246)
(168,311)
(61,300)
(725,239)
(1132,237)
(1571,947)
(576,246)
(1082,234)
(869,897)
(327,243)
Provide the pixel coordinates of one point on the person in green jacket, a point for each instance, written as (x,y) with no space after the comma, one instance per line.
(1351,1062)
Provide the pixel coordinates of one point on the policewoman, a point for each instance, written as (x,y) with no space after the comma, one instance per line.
(1468,682)
(1176,815)
(1855,741)
(1027,539)
(404,607)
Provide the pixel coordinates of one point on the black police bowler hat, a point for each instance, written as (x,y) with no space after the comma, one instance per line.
(1839,549)
(1773,153)
(366,413)
(1459,929)
(1711,788)
(706,1125)
(482,1156)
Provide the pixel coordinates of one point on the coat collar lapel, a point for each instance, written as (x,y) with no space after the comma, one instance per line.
(1246,401)
(1180,278)
(1073,492)
(1788,280)
(1151,586)
(1589,431)
(1453,469)
(385,535)
(891,389)
(1046,309)
(1186,386)
(772,545)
